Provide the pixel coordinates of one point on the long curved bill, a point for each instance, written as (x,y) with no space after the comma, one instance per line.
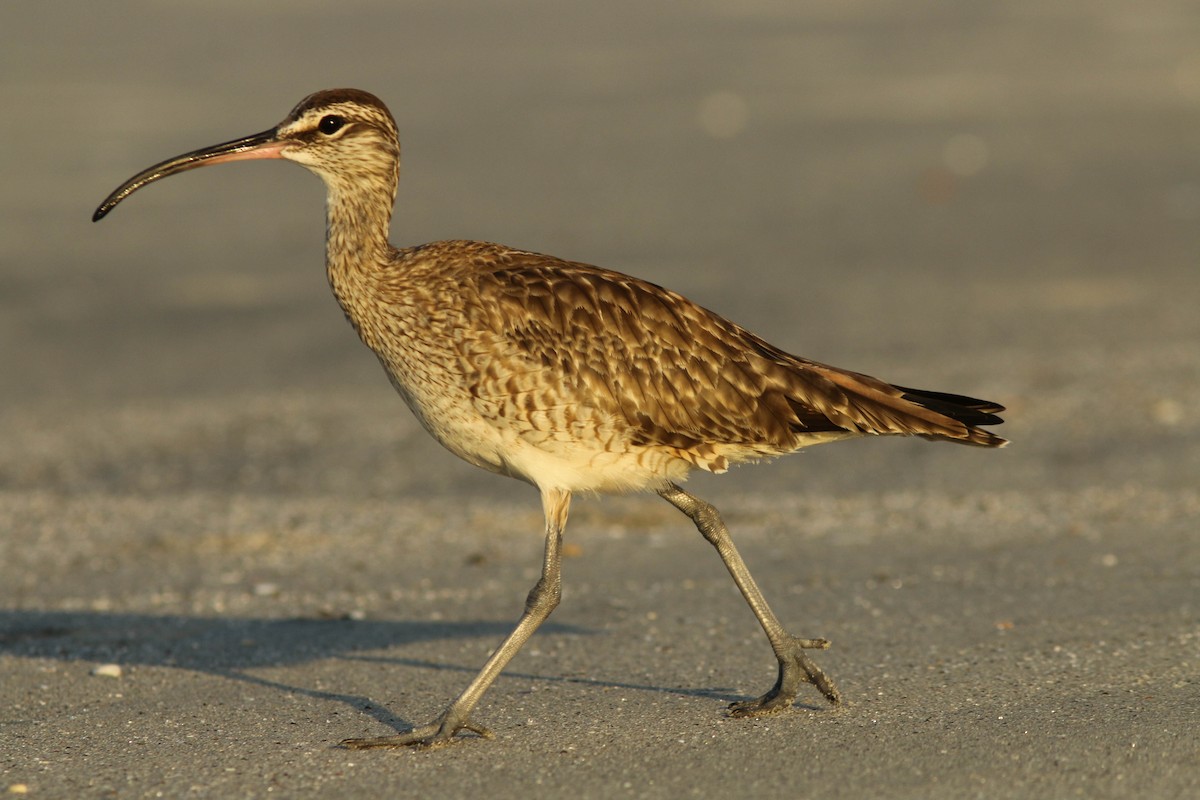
(259,145)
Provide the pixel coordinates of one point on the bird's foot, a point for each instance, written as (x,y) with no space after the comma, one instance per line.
(795,668)
(439,733)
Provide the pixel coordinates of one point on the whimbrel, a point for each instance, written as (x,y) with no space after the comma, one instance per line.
(567,376)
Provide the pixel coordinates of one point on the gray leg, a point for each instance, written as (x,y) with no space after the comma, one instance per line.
(795,667)
(543,598)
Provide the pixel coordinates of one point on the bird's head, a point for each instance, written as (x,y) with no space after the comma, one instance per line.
(346,136)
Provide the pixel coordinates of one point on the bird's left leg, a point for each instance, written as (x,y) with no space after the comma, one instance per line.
(795,667)
(542,599)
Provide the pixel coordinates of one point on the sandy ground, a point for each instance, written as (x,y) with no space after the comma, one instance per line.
(206,481)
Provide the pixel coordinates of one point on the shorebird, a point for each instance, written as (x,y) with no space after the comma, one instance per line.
(567,376)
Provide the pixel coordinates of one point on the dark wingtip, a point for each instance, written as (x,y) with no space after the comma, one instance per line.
(99,214)
(970,411)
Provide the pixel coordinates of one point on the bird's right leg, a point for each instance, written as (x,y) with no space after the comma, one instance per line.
(543,598)
(795,667)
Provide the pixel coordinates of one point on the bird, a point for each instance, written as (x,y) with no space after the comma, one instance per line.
(569,377)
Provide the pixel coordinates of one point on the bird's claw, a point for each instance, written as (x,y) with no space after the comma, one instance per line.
(426,737)
(795,668)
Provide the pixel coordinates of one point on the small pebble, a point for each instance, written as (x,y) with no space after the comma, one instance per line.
(18,788)
(108,671)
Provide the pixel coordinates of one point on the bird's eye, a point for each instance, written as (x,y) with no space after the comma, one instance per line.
(330,124)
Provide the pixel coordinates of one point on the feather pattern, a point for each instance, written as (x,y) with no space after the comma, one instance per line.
(593,366)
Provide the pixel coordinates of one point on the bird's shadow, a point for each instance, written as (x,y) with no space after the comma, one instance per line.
(229,647)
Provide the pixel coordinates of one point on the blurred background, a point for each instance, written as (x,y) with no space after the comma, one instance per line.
(998,199)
